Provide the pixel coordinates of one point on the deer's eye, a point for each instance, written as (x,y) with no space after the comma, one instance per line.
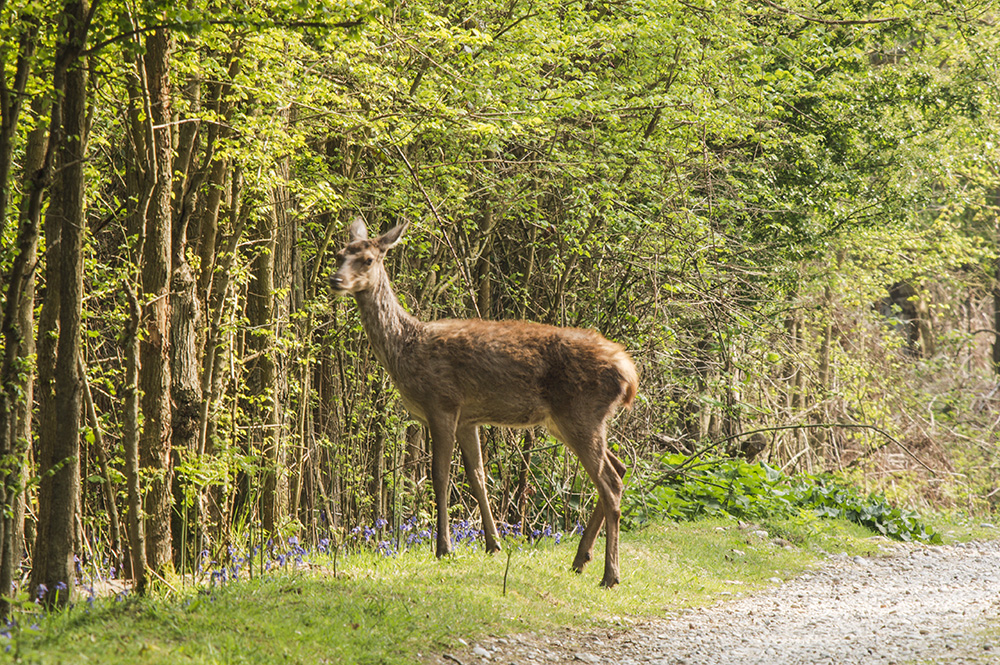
(367,262)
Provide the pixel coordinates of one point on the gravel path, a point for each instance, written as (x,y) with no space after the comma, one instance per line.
(916,605)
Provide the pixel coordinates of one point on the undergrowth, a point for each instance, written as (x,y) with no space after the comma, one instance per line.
(687,488)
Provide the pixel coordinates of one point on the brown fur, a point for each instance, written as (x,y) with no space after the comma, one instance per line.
(455,375)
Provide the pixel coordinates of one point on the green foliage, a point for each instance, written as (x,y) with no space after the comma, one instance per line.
(686,488)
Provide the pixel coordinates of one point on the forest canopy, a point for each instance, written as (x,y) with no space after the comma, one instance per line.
(785,211)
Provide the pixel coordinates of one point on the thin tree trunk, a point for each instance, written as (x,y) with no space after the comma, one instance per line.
(102,458)
(521,495)
(11,99)
(213,358)
(130,442)
(284,306)
(19,348)
(261,373)
(821,436)
(484,291)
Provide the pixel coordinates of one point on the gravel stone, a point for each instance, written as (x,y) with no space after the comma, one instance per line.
(917,604)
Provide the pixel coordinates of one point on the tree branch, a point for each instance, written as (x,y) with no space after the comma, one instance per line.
(189,27)
(825,21)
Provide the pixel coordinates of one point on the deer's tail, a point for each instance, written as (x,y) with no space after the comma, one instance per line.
(629,377)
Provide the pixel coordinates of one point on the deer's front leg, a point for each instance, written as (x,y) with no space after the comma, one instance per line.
(442,430)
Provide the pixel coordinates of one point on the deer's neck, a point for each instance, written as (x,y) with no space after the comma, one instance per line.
(388,325)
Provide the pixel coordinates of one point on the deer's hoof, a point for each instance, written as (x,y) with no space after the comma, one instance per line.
(609,582)
(493,549)
(581,561)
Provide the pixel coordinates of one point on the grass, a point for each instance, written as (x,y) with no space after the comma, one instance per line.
(405,608)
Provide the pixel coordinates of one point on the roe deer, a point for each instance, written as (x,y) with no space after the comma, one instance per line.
(455,375)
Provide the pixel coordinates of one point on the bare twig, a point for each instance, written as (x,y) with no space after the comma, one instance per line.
(430,204)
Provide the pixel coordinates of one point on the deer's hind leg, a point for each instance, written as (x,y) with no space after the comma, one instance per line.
(472,457)
(596,521)
(606,471)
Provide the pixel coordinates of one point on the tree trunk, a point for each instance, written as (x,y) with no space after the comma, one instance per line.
(59,442)
(376,468)
(260,366)
(185,345)
(186,321)
(11,99)
(130,442)
(213,358)
(822,436)
(523,471)
(154,349)
(284,259)
(102,457)
(483,277)
(19,348)
(185,325)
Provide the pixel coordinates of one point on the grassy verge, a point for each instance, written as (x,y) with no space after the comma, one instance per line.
(399,609)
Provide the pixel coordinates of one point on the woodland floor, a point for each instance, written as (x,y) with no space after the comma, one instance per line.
(914,604)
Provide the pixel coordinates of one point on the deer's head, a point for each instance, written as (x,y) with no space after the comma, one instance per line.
(359,264)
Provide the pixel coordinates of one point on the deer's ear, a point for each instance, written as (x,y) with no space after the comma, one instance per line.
(391,238)
(358,230)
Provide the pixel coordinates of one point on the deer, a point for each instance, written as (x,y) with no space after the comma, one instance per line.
(454,375)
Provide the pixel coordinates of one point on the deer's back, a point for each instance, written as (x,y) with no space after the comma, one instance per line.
(513,372)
